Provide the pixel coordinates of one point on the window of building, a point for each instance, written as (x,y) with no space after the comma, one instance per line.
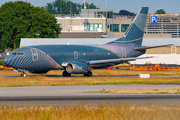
(124,27)
(111,27)
(60,25)
(95,27)
(109,15)
(115,27)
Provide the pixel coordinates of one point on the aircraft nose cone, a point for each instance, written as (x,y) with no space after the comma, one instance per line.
(5,60)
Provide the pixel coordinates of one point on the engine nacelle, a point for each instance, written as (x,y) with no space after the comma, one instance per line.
(77,68)
(38,71)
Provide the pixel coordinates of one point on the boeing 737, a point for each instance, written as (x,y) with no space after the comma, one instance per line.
(81,59)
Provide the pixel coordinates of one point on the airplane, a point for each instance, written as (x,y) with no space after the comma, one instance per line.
(81,59)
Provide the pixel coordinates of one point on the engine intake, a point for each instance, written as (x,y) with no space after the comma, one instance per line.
(77,68)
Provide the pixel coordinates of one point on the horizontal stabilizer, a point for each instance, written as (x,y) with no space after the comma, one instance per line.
(144,48)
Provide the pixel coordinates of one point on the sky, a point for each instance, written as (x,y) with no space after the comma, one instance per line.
(170,6)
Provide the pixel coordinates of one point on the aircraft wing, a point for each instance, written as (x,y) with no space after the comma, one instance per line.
(112,61)
(144,48)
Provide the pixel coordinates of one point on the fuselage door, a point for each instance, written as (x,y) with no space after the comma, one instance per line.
(34,54)
(123,52)
(75,55)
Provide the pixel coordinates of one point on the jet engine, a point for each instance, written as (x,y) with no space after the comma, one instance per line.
(77,68)
(38,71)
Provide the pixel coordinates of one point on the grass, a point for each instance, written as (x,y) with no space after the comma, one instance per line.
(141,91)
(126,112)
(1,63)
(98,72)
(54,78)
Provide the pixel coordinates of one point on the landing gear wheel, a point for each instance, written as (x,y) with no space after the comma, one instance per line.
(23,74)
(66,74)
(89,74)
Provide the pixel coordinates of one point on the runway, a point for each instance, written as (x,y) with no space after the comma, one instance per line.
(76,95)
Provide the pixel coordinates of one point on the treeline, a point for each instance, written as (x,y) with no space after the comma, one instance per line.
(67,7)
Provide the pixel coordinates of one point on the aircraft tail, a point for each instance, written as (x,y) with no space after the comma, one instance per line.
(134,33)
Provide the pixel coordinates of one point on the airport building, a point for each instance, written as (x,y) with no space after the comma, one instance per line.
(99,23)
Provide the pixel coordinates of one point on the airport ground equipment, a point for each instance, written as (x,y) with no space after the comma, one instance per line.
(155,67)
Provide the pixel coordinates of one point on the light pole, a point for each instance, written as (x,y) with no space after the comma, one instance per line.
(32,34)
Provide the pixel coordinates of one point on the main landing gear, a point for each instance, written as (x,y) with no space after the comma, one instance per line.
(89,74)
(66,74)
(23,74)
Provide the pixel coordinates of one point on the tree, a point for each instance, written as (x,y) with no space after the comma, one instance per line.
(126,13)
(63,7)
(67,7)
(20,19)
(89,6)
(160,11)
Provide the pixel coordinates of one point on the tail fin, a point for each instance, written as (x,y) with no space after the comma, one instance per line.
(135,31)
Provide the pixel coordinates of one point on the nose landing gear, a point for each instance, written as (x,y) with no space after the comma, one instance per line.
(23,74)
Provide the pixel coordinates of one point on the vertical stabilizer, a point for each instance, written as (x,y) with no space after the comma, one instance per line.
(135,31)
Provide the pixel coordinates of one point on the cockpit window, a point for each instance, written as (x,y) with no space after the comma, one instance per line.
(14,53)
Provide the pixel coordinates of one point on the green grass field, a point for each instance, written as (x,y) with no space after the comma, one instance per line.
(103,77)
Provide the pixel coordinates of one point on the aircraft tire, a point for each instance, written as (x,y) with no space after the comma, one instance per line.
(89,74)
(23,74)
(66,74)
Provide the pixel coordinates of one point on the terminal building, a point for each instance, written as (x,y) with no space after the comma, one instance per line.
(105,24)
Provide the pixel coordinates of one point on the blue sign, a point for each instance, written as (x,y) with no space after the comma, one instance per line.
(154,19)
